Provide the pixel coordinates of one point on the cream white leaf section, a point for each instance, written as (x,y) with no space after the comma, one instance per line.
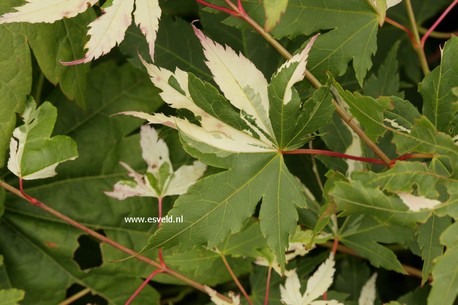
(368,292)
(391,3)
(298,74)
(173,96)
(241,82)
(291,293)
(147,14)
(47,10)
(416,203)
(321,280)
(213,132)
(139,187)
(109,29)
(317,284)
(218,301)
(184,177)
(154,150)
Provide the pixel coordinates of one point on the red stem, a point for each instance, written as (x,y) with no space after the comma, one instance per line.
(161,258)
(438,21)
(266,297)
(145,282)
(402,28)
(335,246)
(331,153)
(217,7)
(104,239)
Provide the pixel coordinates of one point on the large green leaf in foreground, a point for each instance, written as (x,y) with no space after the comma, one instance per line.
(219,205)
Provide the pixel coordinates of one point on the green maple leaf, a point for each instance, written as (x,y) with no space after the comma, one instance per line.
(351,26)
(248,142)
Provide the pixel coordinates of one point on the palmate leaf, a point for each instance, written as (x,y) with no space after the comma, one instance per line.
(440,105)
(219,204)
(344,42)
(33,153)
(242,141)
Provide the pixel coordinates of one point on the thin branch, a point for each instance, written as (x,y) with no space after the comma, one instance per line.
(106,240)
(402,28)
(315,169)
(418,47)
(145,282)
(331,153)
(437,22)
(266,296)
(437,35)
(236,280)
(161,258)
(75,297)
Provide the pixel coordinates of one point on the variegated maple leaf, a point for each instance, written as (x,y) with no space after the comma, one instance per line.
(160,180)
(244,87)
(317,285)
(106,31)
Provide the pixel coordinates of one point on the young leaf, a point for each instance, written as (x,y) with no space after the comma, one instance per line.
(33,154)
(160,179)
(274,9)
(440,105)
(35,11)
(317,284)
(218,301)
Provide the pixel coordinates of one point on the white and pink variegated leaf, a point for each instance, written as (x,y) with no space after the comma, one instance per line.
(48,11)
(184,177)
(300,60)
(147,14)
(391,3)
(154,150)
(137,188)
(107,31)
(417,203)
(241,82)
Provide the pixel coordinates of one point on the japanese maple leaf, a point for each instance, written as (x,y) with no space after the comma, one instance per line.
(244,87)
(160,179)
(106,31)
(317,285)
(244,129)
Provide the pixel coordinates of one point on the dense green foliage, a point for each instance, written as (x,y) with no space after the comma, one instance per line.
(264,200)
